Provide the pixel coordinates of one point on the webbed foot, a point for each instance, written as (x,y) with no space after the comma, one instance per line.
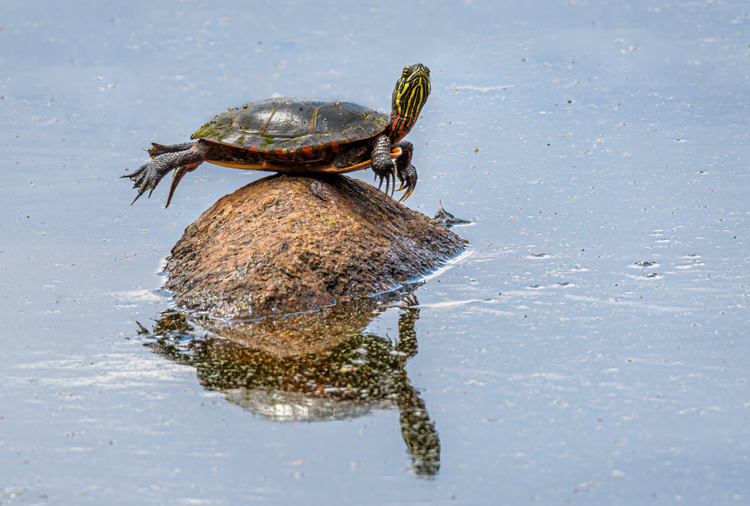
(147,177)
(150,174)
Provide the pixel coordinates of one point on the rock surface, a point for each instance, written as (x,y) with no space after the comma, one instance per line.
(284,245)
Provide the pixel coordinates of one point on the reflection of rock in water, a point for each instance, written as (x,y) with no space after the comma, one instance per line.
(311,367)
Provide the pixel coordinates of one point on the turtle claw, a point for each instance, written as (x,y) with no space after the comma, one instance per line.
(408,179)
(176,178)
(395,174)
(143,189)
(406,195)
(137,197)
(389,176)
(146,178)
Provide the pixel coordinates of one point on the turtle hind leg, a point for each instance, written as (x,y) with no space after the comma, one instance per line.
(160,149)
(148,176)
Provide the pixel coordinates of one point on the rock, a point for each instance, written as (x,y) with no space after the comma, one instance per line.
(288,244)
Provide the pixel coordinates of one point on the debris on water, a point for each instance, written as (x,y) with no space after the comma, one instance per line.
(142,330)
(445,218)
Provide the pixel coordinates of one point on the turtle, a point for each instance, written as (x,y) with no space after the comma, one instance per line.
(301,137)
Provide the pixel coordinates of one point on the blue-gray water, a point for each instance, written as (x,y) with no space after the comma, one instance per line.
(556,369)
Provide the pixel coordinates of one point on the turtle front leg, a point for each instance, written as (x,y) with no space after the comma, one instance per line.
(405,171)
(148,176)
(382,165)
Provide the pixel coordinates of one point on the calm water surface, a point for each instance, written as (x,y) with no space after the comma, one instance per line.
(591,347)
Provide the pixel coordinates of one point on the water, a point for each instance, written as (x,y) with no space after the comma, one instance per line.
(589,348)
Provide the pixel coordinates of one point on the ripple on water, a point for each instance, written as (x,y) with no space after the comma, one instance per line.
(538,255)
(645,263)
(563,283)
(650,275)
(534,287)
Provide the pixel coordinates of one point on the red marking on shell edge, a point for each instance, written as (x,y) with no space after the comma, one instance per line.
(280,151)
(308,151)
(335,146)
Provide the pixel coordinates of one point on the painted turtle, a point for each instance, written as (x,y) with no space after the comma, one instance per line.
(301,136)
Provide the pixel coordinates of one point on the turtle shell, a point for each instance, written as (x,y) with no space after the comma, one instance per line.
(289,126)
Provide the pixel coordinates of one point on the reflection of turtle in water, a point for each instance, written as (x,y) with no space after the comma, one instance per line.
(302,136)
(343,374)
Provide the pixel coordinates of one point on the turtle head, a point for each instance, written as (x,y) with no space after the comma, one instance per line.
(409,96)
